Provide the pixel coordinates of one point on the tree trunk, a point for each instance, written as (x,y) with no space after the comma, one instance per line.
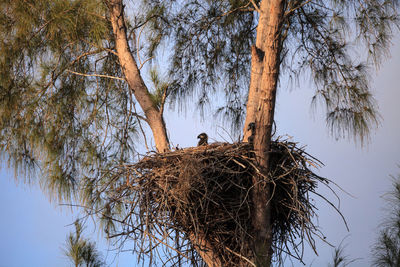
(132,75)
(205,249)
(153,115)
(260,110)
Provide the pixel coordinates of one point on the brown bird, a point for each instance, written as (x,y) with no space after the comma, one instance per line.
(203,139)
(252,128)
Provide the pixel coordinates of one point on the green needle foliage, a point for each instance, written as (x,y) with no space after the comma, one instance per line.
(160,91)
(386,251)
(325,40)
(54,119)
(339,258)
(81,251)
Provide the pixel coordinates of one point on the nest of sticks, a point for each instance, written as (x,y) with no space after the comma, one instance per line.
(207,191)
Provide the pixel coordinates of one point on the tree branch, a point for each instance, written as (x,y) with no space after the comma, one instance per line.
(96,75)
(297,7)
(255,6)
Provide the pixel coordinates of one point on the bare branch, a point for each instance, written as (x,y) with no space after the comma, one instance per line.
(297,7)
(96,75)
(255,6)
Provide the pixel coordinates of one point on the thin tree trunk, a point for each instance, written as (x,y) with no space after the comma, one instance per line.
(260,110)
(132,75)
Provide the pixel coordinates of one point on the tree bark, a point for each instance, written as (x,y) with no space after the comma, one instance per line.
(260,110)
(205,249)
(132,75)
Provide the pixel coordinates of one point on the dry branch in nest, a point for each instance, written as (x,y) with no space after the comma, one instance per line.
(207,191)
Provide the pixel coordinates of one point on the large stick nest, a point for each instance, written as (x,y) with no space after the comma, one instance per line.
(208,191)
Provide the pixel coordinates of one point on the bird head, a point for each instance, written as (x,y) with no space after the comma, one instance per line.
(203,139)
(202,136)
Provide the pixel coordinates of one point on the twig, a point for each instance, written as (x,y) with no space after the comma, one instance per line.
(140,126)
(255,6)
(297,7)
(96,75)
(177,193)
(241,256)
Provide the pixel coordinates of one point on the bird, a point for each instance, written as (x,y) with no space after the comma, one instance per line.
(203,139)
(252,128)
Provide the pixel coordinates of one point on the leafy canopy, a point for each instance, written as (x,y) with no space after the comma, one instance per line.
(210,43)
(54,119)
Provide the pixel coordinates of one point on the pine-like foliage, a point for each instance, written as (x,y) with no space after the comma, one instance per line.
(325,40)
(81,251)
(386,251)
(64,108)
(339,258)
(210,45)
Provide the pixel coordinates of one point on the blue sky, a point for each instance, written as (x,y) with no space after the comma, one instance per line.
(33,230)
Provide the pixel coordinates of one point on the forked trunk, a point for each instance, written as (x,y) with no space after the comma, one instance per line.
(260,111)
